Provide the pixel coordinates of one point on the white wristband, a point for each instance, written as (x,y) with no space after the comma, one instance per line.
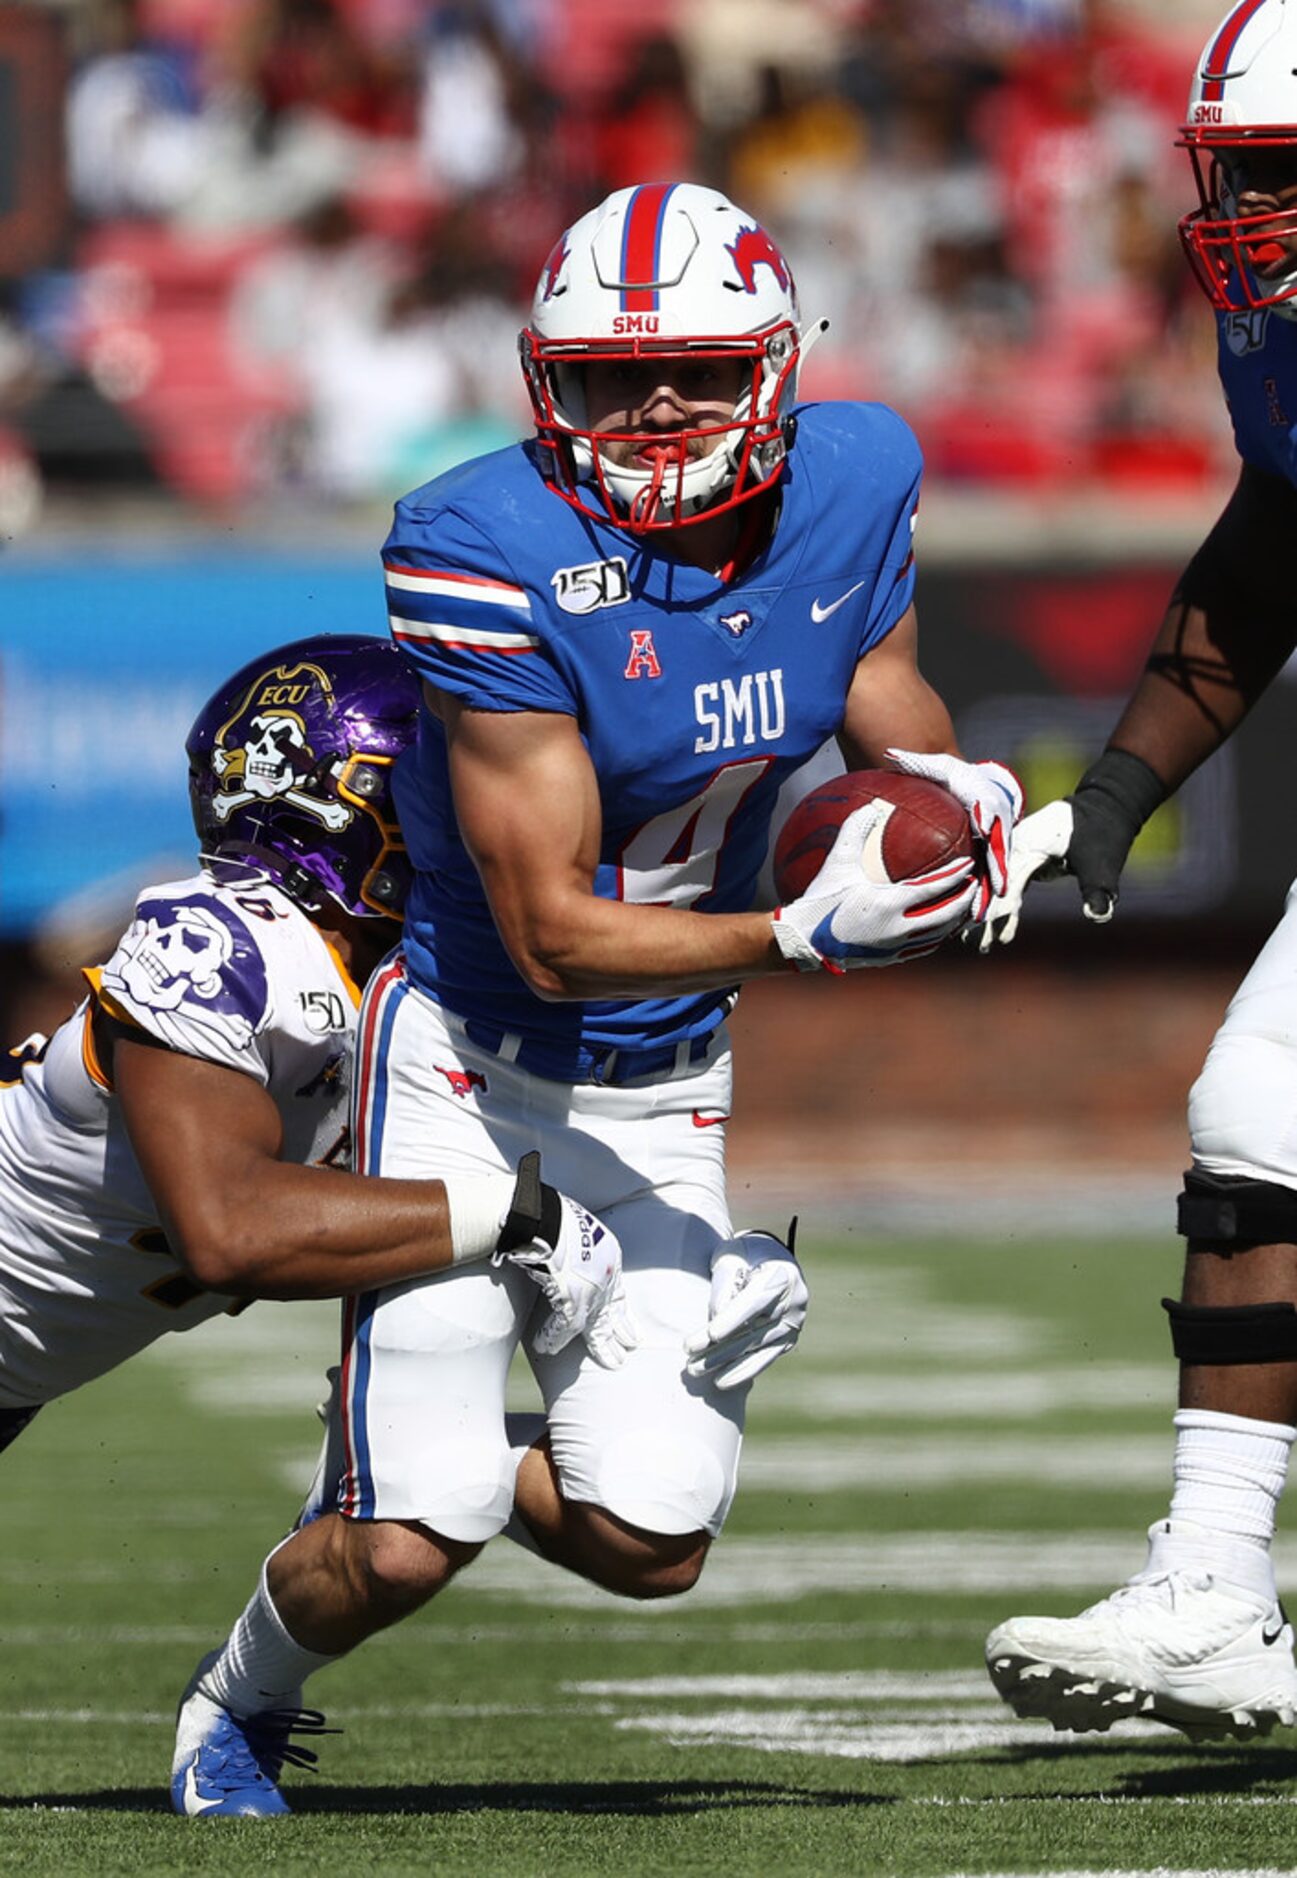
(477,1205)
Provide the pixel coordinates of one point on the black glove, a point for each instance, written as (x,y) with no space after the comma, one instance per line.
(1110,805)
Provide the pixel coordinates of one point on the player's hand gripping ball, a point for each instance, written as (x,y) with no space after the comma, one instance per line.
(925,829)
(873,868)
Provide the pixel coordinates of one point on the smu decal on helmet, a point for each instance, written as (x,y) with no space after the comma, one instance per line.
(290,764)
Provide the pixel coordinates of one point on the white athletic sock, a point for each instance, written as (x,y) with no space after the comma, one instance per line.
(523,1430)
(1229,1473)
(260,1666)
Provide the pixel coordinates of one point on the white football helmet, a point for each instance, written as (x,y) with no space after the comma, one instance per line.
(1241,135)
(664,270)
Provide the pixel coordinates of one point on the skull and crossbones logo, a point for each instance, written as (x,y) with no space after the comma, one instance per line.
(268,767)
(184,965)
(159,966)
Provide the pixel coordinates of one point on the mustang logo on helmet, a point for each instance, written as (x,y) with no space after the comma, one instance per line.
(553,268)
(752,248)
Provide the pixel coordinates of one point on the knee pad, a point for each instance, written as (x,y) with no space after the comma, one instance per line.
(461,1490)
(1236,1212)
(1220,1334)
(659,1487)
(473,1497)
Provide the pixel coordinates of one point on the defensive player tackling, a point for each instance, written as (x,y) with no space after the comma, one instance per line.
(179,1144)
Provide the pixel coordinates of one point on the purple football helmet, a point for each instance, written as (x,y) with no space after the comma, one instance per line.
(290,766)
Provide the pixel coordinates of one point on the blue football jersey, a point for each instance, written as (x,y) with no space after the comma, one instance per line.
(696,698)
(1257,354)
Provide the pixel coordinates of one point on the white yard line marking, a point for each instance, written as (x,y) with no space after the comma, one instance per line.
(432,1634)
(805,1731)
(869,1310)
(1160,1871)
(402,1711)
(90,1717)
(1013,1567)
(849,1685)
(846,1461)
(1143,1871)
(908,1395)
(892,1463)
(272,1360)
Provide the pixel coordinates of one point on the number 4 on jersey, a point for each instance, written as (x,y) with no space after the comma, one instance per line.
(673,860)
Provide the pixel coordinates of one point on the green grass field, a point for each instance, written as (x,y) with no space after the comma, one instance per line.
(968,1430)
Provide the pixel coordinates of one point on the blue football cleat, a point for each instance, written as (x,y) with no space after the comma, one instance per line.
(227,1765)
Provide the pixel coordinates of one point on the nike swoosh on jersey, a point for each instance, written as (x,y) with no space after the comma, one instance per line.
(819,612)
(194,1802)
(708,1121)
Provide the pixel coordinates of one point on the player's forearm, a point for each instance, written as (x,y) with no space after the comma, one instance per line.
(311,1232)
(1203,675)
(594,948)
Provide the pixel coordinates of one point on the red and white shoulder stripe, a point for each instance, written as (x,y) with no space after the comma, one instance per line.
(430,587)
(451,585)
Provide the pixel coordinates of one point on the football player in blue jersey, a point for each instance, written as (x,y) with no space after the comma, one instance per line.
(631,631)
(1199,1638)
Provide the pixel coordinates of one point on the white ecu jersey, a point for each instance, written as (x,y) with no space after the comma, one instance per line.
(223,967)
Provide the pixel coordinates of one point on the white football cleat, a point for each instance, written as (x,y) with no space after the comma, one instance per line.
(1179,1644)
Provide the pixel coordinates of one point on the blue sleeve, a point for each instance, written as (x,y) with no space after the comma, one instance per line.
(461,617)
(894,589)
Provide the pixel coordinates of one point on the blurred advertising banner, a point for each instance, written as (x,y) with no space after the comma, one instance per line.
(104,662)
(105,659)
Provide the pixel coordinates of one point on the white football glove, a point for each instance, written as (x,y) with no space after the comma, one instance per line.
(757,1309)
(576,1261)
(1040,843)
(993,798)
(854,914)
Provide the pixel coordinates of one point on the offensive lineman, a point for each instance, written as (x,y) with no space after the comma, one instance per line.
(1199,1638)
(176,1143)
(631,630)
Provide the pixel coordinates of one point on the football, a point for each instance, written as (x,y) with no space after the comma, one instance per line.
(927,827)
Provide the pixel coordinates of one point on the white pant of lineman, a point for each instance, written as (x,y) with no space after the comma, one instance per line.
(423,1380)
(1243,1107)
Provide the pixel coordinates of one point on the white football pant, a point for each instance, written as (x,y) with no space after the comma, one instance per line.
(425,1364)
(1243,1107)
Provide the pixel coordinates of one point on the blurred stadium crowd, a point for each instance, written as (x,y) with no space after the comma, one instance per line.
(296,238)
